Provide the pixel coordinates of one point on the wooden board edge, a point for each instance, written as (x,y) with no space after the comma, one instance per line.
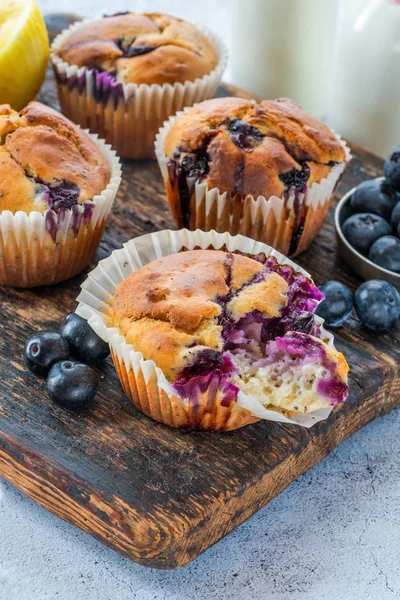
(315,448)
(143,541)
(112,523)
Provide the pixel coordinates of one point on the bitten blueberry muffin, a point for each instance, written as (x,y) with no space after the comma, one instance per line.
(242,148)
(46,161)
(57,185)
(223,325)
(141,48)
(123,75)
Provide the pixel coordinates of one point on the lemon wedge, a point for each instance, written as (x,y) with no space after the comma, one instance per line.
(24,52)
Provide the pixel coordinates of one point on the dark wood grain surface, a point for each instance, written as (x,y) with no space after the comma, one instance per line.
(158,495)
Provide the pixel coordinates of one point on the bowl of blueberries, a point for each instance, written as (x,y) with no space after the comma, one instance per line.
(367,222)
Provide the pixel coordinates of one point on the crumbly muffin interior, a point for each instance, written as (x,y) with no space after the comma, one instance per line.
(295,373)
(210,319)
(148,48)
(46,161)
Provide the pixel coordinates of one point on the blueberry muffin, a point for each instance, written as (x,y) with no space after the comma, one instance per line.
(266,170)
(228,331)
(52,213)
(116,54)
(141,48)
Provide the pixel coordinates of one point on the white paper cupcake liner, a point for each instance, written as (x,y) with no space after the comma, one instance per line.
(42,249)
(270,220)
(132,114)
(148,385)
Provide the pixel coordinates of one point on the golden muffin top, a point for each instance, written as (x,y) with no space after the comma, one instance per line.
(149,48)
(212,316)
(174,307)
(248,147)
(46,161)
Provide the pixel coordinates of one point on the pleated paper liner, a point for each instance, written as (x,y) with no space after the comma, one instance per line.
(128,116)
(144,382)
(274,221)
(42,249)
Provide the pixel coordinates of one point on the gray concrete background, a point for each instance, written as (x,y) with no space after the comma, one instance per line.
(334,534)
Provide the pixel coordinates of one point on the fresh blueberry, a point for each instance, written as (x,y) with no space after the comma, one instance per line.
(338,303)
(363,229)
(385,252)
(84,343)
(377,304)
(395,218)
(392,169)
(44,349)
(71,384)
(374,197)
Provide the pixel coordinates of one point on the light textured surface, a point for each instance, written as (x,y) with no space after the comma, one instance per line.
(332,535)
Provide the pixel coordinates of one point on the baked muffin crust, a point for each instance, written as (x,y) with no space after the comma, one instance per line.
(46,161)
(203,314)
(148,48)
(167,309)
(241,146)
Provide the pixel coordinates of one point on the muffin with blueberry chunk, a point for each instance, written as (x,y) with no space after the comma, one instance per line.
(234,335)
(141,48)
(124,74)
(266,170)
(57,185)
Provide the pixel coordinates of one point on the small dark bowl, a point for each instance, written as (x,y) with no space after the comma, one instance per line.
(365,268)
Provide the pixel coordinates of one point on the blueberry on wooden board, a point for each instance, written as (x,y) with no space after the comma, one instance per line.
(71,384)
(377,304)
(84,343)
(44,349)
(338,304)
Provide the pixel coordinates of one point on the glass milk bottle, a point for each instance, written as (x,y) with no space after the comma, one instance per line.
(365,104)
(284,48)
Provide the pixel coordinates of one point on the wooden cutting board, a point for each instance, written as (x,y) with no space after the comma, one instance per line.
(157,495)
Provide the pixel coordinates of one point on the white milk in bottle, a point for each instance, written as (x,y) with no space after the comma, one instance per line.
(365,101)
(284,48)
